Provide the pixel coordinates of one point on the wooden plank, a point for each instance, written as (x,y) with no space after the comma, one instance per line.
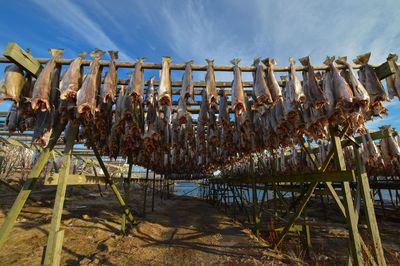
(52,241)
(386,69)
(22,58)
(75,179)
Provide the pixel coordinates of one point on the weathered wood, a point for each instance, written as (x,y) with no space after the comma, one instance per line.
(346,175)
(51,250)
(386,69)
(22,58)
(28,185)
(75,179)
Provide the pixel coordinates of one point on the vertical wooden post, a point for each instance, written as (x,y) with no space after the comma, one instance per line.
(373,228)
(127,188)
(154,188)
(53,249)
(145,192)
(354,235)
(29,185)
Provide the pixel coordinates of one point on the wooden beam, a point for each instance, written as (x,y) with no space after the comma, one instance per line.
(20,57)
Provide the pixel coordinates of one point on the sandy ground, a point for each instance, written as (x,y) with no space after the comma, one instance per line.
(180,231)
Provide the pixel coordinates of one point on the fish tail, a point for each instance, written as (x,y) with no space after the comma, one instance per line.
(256,61)
(329,60)
(235,61)
(151,80)
(269,61)
(166,58)
(113,54)
(393,57)
(82,55)
(364,58)
(140,60)
(190,62)
(284,78)
(210,61)
(305,61)
(292,61)
(97,53)
(342,60)
(56,52)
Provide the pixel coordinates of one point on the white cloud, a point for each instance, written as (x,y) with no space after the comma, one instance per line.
(72,16)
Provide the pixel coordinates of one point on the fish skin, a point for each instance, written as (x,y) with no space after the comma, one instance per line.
(72,79)
(42,88)
(136,83)
(314,95)
(290,111)
(151,93)
(211,85)
(360,93)
(186,91)
(327,87)
(295,90)
(272,84)
(182,111)
(203,115)
(12,118)
(223,117)
(341,90)
(371,81)
(13,84)
(164,90)
(237,104)
(43,127)
(261,93)
(87,94)
(109,88)
(395,85)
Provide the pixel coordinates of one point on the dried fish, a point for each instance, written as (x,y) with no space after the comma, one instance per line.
(186,91)
(136,83)
(42,87)
(237,89)
(314,95)
(211,86)
(72,79)
(86,96)
(223,117)
(13,84)
(164,90)
(261,92)
(272,84)
(360,93)
(295,92)
(341,90)
(109,89)
(394,80)
(370,80)
(182,111)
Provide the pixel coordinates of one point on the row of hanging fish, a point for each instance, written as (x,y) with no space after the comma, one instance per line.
(380,157)
(126,121)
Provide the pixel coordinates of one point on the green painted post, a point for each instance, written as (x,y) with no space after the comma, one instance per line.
(145,192)
(109,181)
(29,185)
(127,188)
(373,228)
(59,200)
(348,201)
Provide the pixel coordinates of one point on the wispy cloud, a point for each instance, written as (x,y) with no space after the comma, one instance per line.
(75,19)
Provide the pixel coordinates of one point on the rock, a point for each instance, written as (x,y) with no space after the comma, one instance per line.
(85,261)
(86,217)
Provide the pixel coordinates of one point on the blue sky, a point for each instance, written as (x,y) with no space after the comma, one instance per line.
(197,30)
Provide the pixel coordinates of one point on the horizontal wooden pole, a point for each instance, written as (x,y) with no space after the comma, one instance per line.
(147,65)
(335,176)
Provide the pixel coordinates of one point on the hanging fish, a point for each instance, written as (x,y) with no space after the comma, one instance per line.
(272,84)
(150,94)
(109,88)
(261,92)
(164,90)
(13,84)
(43,128)
(182,110)
(360,93)
(223,114)
(87,94)
(370,80)
(203,115)
(341,90)
(327,87)
(72,79)
(136,83)
(294,89)
(314,95)
(12,119)
(237,104)
(211,85)
(290,111)
(42,88)
(394,79)
(186,91)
